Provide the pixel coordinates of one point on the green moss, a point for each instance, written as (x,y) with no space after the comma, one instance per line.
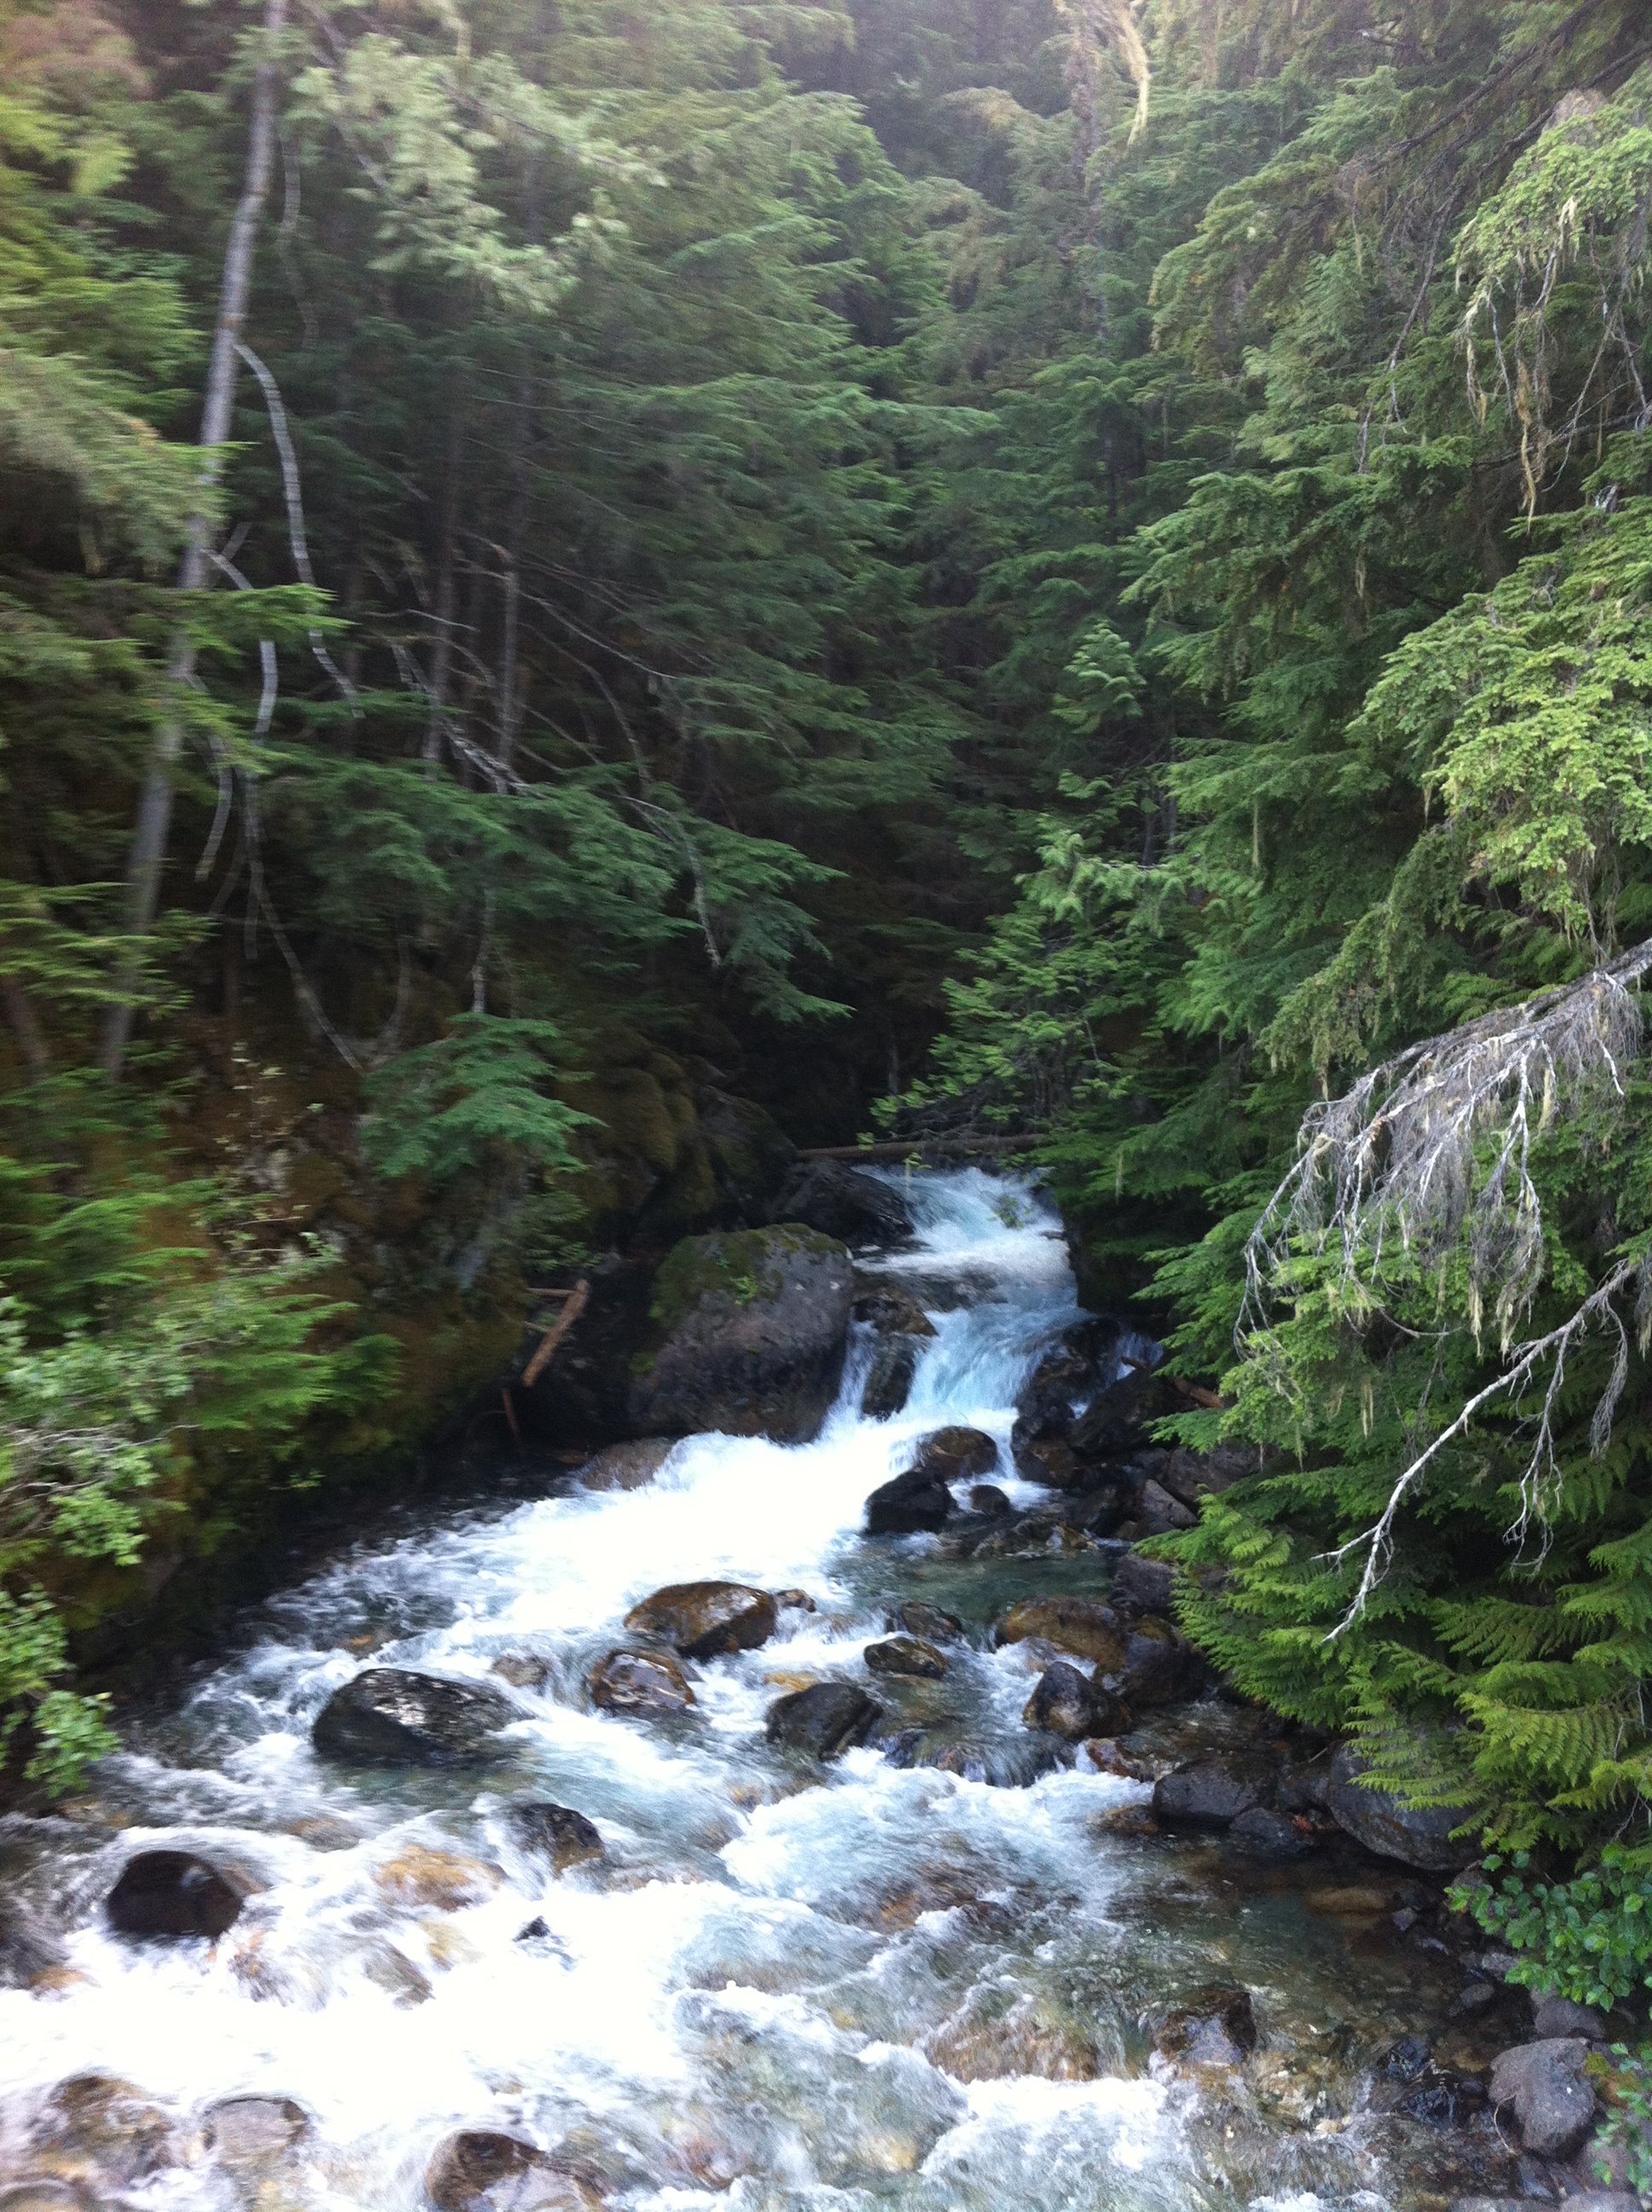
(739,1265)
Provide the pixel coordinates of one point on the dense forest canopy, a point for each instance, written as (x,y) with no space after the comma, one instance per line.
(573,576)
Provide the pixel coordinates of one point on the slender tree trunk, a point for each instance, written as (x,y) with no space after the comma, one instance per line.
(442,649)
(148,846)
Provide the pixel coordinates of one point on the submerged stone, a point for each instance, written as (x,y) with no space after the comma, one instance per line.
(556,1832)
(391,1716)
(174,1894)
(1076,1624)
(1214,2027)
(953,1455)
(483,2170)
(250,2130)
(906,1655)
(647,1682)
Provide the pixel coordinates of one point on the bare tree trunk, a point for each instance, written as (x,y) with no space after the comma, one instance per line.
(441,649)
(148,846)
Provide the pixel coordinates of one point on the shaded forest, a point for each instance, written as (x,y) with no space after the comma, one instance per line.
(586,594)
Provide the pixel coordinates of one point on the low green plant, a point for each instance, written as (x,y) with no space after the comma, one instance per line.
(1589,1939)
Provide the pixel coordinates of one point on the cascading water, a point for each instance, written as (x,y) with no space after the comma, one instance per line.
(872,1984)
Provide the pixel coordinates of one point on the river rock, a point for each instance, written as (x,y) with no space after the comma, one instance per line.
(906,1655)
(1158,1512)
(1214,2026)
(480,2170)
(702,1620)
(929,1621)
(391,1716)
(1142,1585)
(889,1379)
(1553,2016)
(523,1670)
(628,1465)
(1211,1792)
(1268,1834)
(648,1683)
(1442,2099)
(1065,1702)
(1543,2084)
(435,1881)
(795,1600)
(1161,1667)
(250,2130)
(987,1497)
(1416,1837)
(44,2194)
(954,1454)
(28,1947)
(749,1327)
(824,1720)
(556,1832)
(173,1894)
(1075,1625)
(843,1201)
(910,1504)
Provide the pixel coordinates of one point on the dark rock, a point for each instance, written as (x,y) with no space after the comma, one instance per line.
(1553,2016)
(1305,1784)
(1052,1462)
(1161,1667)
(749,1327)
(480,2171)
(1116,1419)
(174,1893)
(910,1504)
(1543,2084)
(842,1201)
(389,1715)
(1158,1512)
(700,1620)
(1392,1830)
(1211,1792)
(824,1720)
(523,1670)
(1075,1625)
(794,1601)
(645,1682)
(1142,1585)
(556,1832)
(1191,1475)
(1269,1833)
(889,1379)
(987,1497)
(1216,2026)
(1011,1763)
(892,1310)
(1408,2059)
(630,1465)
(29,1948)
(247,2130)
(954,1454)
(929,1621)
(1065,1702)
(906,1655)
(1441,2098)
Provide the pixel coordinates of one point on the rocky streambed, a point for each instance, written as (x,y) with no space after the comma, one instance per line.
(835,1823)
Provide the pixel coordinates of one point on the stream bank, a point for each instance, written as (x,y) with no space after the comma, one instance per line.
(819,1883)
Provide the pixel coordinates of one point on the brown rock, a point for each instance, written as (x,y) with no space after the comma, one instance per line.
(557,1832)
(928,1621)
(638,1682)
(702,1619)
(438,1881)
(174,1894)
(954,1454)
(1158,1512)
(1076,1624)
(480,2170)
(1066,1702)
(987,1497)
(794,1601)
(1214,2026)
(250,2130)
(906,1655)
(974,2045)
(627,1467)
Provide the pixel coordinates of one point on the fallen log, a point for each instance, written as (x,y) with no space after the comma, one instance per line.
(577,1300)
(905,1148)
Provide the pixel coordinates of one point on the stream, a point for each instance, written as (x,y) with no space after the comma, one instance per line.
(925,1987)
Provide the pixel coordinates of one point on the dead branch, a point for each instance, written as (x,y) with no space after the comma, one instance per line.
(578,1298)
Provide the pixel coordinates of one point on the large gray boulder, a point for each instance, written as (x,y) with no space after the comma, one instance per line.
(1543,2085)
(842,1201)
(1417,1836)
(748,1336)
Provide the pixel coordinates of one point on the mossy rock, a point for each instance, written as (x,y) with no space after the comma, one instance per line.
(748,1330)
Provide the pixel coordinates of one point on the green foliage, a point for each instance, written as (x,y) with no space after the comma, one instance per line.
(442,1109)
(1589,1939)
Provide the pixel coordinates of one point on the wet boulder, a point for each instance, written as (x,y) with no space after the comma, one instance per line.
(987,1497)
(1267,1832)
(482,2170)
(242,2131)
(1065,1702)
(1555,2016)
(702,1620)
(28,1947)
(1210,1793)
(892,1309)
(906,1655)
(630,1465)
(910,1504)
(825,1720)
(748,1333)
(417,1878)
(556,1832)
(645,1683)
(1158,1512)
(174,1894)
(1214,2027)
(1004,1762)
(931,1622)
(390,1716)
(844,1201)
(1052,1462)
(889,1379)
(1079,1626)
(1161,1667)
(1417,1836)
(954,1454)
(1543,2085)
(523,1670)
